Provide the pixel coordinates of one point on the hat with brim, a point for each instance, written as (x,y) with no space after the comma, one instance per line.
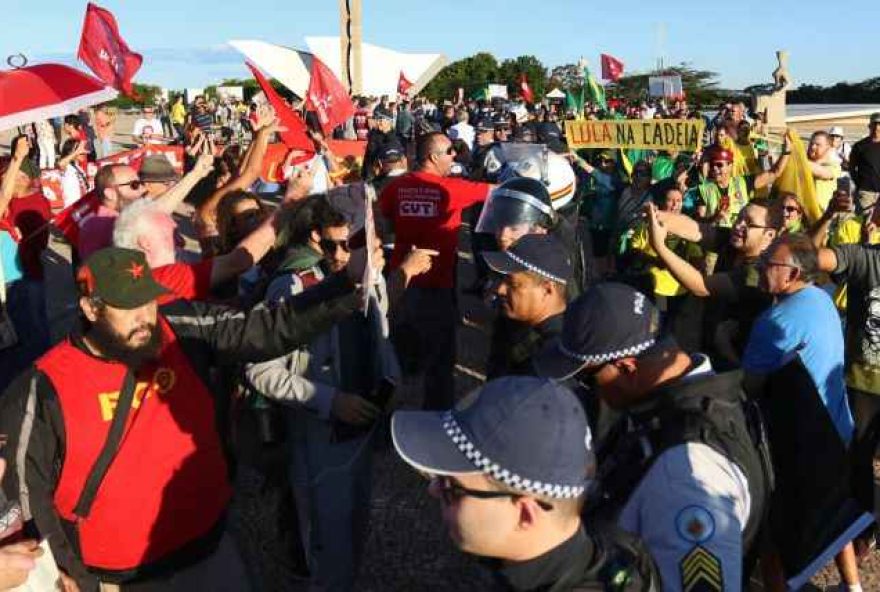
(529,433)
(119,277)
(421,440)
(555,363)
(608,322)
(540,254)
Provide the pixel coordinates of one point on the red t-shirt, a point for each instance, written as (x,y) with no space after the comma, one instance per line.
(30,214)
(426,212)
(187,281)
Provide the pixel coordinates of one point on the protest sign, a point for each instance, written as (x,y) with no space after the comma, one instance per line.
(651,134)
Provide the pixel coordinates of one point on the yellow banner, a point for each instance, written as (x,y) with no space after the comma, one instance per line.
(683,135)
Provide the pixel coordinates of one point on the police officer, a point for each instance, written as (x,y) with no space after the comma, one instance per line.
(512,465)
(382,134)
(484,159)
(684,467)
(531,293)
(522,206)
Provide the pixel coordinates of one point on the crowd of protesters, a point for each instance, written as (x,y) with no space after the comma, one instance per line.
(682,383)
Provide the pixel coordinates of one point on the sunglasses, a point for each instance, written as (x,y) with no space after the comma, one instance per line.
(133,185)
(449,151)
(452,492)
(718,165)
(791,209)
(329,246)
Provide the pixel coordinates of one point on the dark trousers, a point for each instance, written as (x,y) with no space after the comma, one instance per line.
(424,335)
(866,412)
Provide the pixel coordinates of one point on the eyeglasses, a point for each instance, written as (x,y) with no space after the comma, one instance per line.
(764,261)
(329,246)
(452,492)
(791,209)
(134,185)
(749,224)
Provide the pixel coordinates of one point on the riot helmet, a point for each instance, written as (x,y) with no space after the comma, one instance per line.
(517,207)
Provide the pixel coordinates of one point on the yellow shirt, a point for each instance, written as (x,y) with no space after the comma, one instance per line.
(178,113)
(825,187)
(665,283)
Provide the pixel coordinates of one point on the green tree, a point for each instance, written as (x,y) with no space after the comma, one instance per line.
(471,73)
(567,77)
(511,71)
(147,94)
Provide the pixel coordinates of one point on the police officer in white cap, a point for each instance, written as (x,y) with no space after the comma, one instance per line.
(683,466)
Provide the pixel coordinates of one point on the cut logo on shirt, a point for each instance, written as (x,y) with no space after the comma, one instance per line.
(418,209)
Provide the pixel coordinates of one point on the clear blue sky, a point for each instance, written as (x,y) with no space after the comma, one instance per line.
(184,41)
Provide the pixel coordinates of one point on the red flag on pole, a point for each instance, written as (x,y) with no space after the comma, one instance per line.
(612,68)
(525,90)
(103,50)
(295,136)
(328,97)
(403,85)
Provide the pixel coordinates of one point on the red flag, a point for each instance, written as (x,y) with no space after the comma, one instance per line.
(612,68)
(525,90)
(103,50)
(403,85)
(70,219)
(328,97)
(296,135)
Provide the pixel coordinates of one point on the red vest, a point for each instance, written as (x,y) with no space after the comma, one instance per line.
(167,484)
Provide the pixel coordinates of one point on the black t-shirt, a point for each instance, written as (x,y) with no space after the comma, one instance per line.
(864,164)
(736,297)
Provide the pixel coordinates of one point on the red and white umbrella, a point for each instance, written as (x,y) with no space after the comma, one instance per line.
(34,93)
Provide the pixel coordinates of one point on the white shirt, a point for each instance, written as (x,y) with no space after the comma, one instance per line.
(148,127)
(72,181)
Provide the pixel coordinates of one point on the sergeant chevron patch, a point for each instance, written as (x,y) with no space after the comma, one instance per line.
(701,571)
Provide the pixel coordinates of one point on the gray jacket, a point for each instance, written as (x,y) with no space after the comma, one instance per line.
(310,376)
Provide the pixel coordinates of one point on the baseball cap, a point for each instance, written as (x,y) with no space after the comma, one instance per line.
(539,253)
(836,131)
(391,152)
(608,322)
(157,169)
(119,277)
(382,114)
(718,154)
(485,124)
(526,432)
(875,117)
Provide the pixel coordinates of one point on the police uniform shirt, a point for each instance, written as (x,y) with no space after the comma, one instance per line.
(690,509)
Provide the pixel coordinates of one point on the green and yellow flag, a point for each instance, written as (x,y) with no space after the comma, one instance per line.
(596,91)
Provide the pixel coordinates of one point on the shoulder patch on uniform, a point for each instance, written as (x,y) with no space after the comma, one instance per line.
(695,524)
(701,571)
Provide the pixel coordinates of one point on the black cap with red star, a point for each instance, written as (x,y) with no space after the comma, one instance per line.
(120,277)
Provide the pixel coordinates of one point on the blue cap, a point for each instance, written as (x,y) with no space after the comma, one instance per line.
(485,124)
(538,253)
(608,322)
(391,152)
(529,433)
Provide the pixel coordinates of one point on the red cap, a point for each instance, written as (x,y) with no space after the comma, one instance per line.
(716,153)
